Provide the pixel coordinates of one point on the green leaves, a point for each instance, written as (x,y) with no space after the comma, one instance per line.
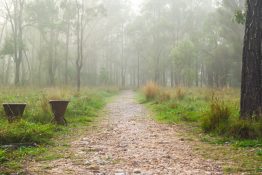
(8,48)
(240,16)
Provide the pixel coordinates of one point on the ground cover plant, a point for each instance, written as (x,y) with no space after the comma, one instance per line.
(213,114)
(35,133)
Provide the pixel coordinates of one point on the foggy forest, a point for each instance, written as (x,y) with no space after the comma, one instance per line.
(119,87)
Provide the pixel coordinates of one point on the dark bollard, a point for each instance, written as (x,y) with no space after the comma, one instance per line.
(59,108)
(14,111)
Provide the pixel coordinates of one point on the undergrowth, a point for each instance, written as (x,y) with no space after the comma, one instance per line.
(212,116)
(34,133)
(215,111)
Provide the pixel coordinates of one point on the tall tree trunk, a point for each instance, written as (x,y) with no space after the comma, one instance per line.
(78,80)
(251,88)
(123,71)
(7,72)
(20,42)
(138,71)
(17,71)
(67,51)
(80,37)
(51,60)
(172,74)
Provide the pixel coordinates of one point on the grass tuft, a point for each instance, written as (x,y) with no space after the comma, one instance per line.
(164,95)
(217,118)
(245,129)
(151,91)
(180,93)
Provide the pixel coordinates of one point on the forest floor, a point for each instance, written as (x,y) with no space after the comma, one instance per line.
(128,141)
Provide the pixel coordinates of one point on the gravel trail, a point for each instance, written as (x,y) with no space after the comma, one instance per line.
(129,142)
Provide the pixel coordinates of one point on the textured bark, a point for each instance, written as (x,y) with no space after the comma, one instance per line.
(251,89)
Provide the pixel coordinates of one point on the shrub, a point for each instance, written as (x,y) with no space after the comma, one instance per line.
(151,90)
(217,118)
(245,129)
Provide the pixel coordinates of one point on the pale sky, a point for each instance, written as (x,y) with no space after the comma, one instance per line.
(136,5)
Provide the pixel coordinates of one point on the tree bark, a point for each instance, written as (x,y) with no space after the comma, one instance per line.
(251,88)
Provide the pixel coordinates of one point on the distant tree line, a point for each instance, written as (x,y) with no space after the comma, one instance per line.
(78,42)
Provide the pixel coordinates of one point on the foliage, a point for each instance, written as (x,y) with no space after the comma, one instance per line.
(184,58)
(8,48)
(240,17)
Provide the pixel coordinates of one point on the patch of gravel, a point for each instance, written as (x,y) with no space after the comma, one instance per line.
(128,142)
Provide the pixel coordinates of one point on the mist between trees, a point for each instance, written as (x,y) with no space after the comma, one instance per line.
(113,42)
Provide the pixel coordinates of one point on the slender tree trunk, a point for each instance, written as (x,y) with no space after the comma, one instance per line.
(7,72)
(251,88)
(123,81)
(78,81)
(67,51)
(172,74)
(80,37)
(20,42)
(17,72)
(51,60)
(138,71)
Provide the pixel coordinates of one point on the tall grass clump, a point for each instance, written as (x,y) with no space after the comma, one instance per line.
(164,95)
(220,120)
(180,93)
(217,119)
(151,91)
(245,129)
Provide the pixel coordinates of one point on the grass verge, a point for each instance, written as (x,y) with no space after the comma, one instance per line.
(35,137)
(210,119)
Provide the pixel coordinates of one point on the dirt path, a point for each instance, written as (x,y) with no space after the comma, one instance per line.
(129,142)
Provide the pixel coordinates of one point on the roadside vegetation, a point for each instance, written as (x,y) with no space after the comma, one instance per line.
(211,115)
(35,134)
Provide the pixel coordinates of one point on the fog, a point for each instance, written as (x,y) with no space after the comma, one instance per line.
(123,43)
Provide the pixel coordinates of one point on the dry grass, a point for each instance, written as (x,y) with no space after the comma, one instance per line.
(151,90)
(58,93)
(180,93)
(164,95)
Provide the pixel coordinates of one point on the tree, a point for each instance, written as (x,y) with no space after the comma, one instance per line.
(83,16)
(79,37)
(69,11)
(251,88)
(44,14)
(15,17)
